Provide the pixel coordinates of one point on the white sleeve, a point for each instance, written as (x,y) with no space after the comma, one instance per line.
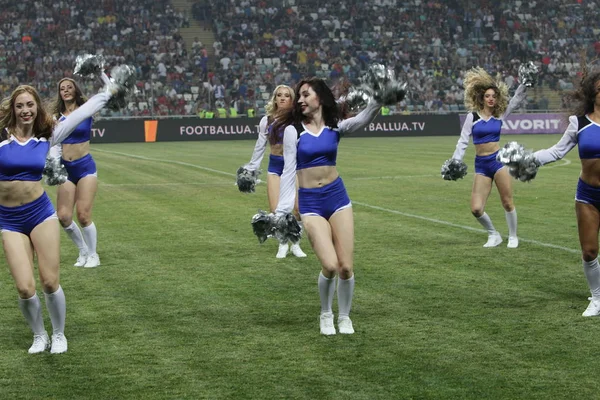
(287,188)
(518,97)
(55,151)
(361,120)
(463,140)
(564,145)
(64,128)
(259,147)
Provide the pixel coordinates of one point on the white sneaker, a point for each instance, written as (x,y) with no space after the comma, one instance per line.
(40,343)
(93,260)
(326,323)
(59,344)
(345,326)
(81,260)
(283,250)
(593,309)
(513,242)
(493,240)
(297,251)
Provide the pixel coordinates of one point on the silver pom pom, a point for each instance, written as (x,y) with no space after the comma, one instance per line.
(453,169)
(521,163)
(528,74)
(383,84)
(88,65)
(286,228)
(357,98)
(122,84)
(54,171)
(246,180)
(262,225)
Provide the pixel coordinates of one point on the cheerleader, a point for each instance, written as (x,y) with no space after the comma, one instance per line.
(27,218)
(486,99)
(80,188)
(312,131)
(281,100)
(584,130)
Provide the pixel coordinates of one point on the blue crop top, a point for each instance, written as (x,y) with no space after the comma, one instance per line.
(82,132)
(317,150)
(582,131)
(486,131)
(23,161)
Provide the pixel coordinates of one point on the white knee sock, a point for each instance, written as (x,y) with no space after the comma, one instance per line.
(32,311)
(91,236)
(57,308)
(592,273)
(345,291)
(326,291)
(511,220)
(74,233)
(486,222)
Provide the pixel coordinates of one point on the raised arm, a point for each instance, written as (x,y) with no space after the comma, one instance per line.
(361,120)
(287,191)
(518,97)
(259,147)
(86,110)
(564,145)
(463,140)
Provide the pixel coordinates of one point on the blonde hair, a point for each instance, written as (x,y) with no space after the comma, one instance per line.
(271,107)
(43,124)
(477,81)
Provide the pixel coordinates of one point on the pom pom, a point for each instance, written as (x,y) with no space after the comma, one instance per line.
(262,225)
(121,86)
(88,65)
(246,180)
(453,170)
(54,171)
(286,228)
(383,84)
(528,74)
(521,163)
(357,98)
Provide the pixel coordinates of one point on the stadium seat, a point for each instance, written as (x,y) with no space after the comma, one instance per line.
(142,105)
(195,89)
(267,61)
(258,61)
(265,95)
(187,96)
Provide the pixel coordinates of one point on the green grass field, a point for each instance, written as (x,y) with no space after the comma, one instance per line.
(188,305)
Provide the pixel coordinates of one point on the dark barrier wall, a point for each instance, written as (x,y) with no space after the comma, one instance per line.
(193,129)
(118,131)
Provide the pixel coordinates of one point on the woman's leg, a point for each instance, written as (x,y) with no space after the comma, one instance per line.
(588,223)
(19,256)
(482,186)
(46,241)
(504,185)
(273,182)
(65,203)
(342,227)
(85,195)
(321,240)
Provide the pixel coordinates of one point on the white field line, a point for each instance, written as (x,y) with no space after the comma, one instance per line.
(387,210)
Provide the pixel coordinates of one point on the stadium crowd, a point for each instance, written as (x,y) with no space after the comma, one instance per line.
(259,44)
